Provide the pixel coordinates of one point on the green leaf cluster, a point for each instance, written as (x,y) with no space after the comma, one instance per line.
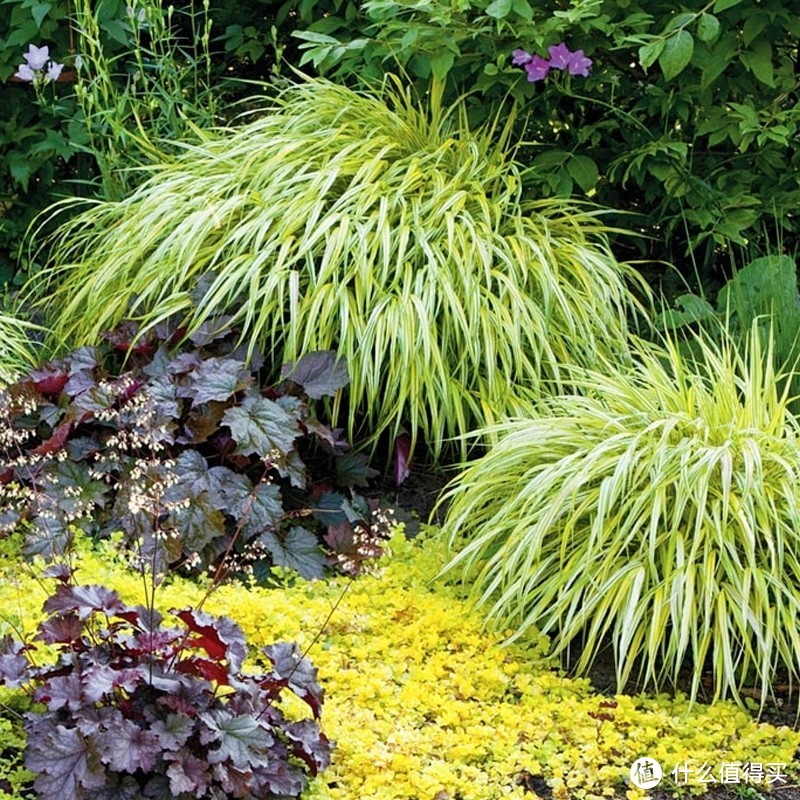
(689,116)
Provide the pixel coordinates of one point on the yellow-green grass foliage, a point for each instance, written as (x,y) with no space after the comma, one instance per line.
(661,508)
(17,349)
(372,224)
(422,703)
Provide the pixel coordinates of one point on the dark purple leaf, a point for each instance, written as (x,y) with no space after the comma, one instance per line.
(241,739)
(62,572)
(14,666)
(228,490)
(401,460)
(235,782)
(84,359)
(216,379)
(202,423)
(187,774)
(83,600)
(319,373)
(56,442)
(66,764)
(48,379)
(333,508)
(289,664)
(220,637)
(174,731)
(353,469)
(260,426)
(199,524)
(101,681)
(297,549)
(312,746)
(283,779)
(333,438)
(259,512)
(203,668)
(127,748)
(61,691)
(62,629)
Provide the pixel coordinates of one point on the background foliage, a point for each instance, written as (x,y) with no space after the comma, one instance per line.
(689,116)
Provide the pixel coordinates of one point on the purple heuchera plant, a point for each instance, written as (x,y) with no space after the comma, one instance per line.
(561,57)
(39,63)
(132,708)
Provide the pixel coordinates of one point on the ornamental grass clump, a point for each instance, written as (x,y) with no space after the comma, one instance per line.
(370,224)
(17,349)
(660,509)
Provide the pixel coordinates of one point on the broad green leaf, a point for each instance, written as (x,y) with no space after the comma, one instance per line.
(583,171)
(677,54)
(259,426)
(499,8)
(759,61)
(523,8)
(707,28)
(690,309)
(649,53)
(39,11)
(724,5)
(441,64)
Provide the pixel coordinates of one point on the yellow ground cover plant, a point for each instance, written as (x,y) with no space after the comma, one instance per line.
(422,703)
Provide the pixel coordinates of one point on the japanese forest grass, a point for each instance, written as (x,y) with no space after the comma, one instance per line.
(368,224)
(18,351)
(660,509)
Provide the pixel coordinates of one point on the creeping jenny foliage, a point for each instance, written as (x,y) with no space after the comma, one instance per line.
(370,224)
(661,509)
(420,701)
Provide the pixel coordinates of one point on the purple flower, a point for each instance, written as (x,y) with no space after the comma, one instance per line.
(54,70)
(37,56)
(560,56)
(520,58)
(25,73)
(537,69)
(579,64)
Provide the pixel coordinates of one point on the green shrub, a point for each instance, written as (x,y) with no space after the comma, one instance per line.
(361,223)
(662,510)
(689,117)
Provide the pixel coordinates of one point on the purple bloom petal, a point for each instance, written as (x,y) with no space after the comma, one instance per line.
(25,73)
(560,56)
(579,64)
(537,69)
(520,58)
(37,57)
(54,70)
